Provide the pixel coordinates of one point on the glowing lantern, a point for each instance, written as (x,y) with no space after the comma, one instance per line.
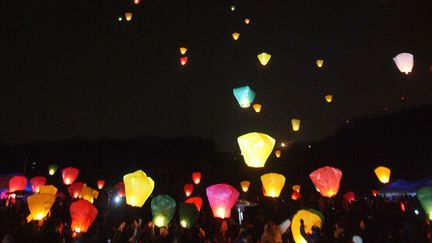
(326,180)
(405,62)
(256,148)
(120,19)
(320,63)
(120,187)
(188,189)
(264,58)
(197,201)
(424,195)
(295,196)
(310,218)
(235,35)
(49,189)
(163,208)
(278,153)
(245,185)
(69,175)
(247,20)
(295,123)
(329,98)
(222,197)
(100,184)
(183,50)
(17,183)
(196,177)
(88,193)
(383,174)
(39,205)
(296,188)
(137,1)
(52,169)
(36,182)
(75,189)
(138,187)
(82,213)
(257,108)
(232,7)
(128,16)
(374,193)
(183,60)
(402,206)
(188,214)
(273,184)
(244,96)
(349,197)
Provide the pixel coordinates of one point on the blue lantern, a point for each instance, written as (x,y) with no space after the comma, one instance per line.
(244,95)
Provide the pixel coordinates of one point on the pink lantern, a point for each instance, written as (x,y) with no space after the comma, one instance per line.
(349,197)
(82,213)
(69,175)
(36,182)
(196,177)
(197,201)
(17,183)
(326,180)
(188,189)
(100,184)
(222,197)
(120,187)
(75,189)
(136,1)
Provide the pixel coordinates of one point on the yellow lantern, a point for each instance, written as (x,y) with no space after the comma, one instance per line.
(328,98)
(296,188)
(273,184)
(245,185)
(88,193)
(138,187)
(264,58)
(247,21)
(256,148)
(183,50)
(39,205)
(128,16)
(235,35)
(278,153)
(295,123)
(310,218)
(383,174)
(320,63)
(48,189)
(257,108)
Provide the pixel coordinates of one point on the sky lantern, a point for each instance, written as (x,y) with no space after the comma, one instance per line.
(120,187)
(196,178)
(120,18)
(349,197)
(136,1)
(163,208)
(320,63)
(197,201)
(235,35)
(138,187)
(100,184)
(256,148)
(383,174)
(247,21)
(310,218)
(245,185)
(424,195)
(39,205)
(374,193)
(69,175)
(222,197)
(82,213)
(244,96)
(257,108)
(405,62)
(188,189)
(183,60)
(128,16)
(75,189)
(264,58)
(88,193)
(183,50)
(52,169)
(296,188)
(326,180)
(278,153)
(328,98)
(273,184)
(188,215)
(295,123)
(17,183)
(36,182)
(49,189)
(233,7)
(295,196)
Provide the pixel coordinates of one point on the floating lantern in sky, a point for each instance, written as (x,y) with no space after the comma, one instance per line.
(69,175)
(49,189)
(100,184)
(235,35)
(39,205)
(88,193)
(349,197)
(295,196)
(52,169)
(278,153)
(273,184)
(405,62)
(233,7)
(295,123)
(326,180)
(310,219)
(120,19)
(138,187)
(17,183)
(36,182)
(296,188)
(163,208)
(120,187)
(424,195)
(257,108)
(264,58)
(245,185)
(222,197)
(136,1)
(374,193)
(183,50)
(256,148)
(196,177)
(244,96)
(75,189)
(197,201)
(82,213)
(183,60)
(188,214)
(128,16)
(383,174)
(188,189)
(329,98)
(247,21)
(320,63)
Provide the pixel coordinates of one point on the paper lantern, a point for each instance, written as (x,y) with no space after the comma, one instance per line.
(245,185)
(256,148)
(235,35)
(273,184)
(374,193)
(295,123)
(264,58)
(405,62)
(424,195)
(52,169)
(232,7)
(137,1)
(222,197)
(138,187)
(402,206)
(120,19)
(183,50)
(310,218)
(88,193)
(100,184)
(278,153)
(39,205)
(383,174)
(196,177)
(247,21)
(17,183)
(128,16)
(36,182)
(69,175)
(326,180)
(163,208)
(188,215)
(329,98)
(82,213)
(296,188)
(183,60)
(120,187)
(75,189)
(257,108)
(320,63)
(295,196)
(349,197)
(48,189)
(244,96)
(197,201)
(188,189)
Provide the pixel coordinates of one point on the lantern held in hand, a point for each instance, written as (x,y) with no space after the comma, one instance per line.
(39,205)
(82,213)
(424,195)
(310,219)
(138,187)
(273,184)
(17,183)
(37,182)
(163,208)
(188,215)
(197,201)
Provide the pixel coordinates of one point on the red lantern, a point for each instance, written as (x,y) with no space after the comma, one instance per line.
(188,189)
(17,183)
(183,60)
(222,197)
(196,177)
(295,196)
(137,1)
(349,197)
(69,175)
(82,213)
(402,206)
(75,189)
(326,180)
(100,184)
(120,187)
(197,201)
(36,182)
(375,193)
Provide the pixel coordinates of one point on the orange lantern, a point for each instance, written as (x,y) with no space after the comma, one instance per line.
(75,189)
(196,177)
(235,35)
(100,184)
(278,153)
(188,189)
(17,183)
(349,197)
(82,213)
(326,180)
(328,98)
(295,196)
(128,16)
(245,185)
(383,174)
(257,108)
(36,182)
(247,21)
(183,50)
(296,188)
(183,60)
(197,201)
(69,175)
(222,198)
(272,184)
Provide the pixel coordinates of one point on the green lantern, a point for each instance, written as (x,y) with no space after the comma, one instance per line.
(163,208)
(424,195)
(188,215)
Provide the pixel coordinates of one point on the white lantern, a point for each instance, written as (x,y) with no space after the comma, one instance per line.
(405,62)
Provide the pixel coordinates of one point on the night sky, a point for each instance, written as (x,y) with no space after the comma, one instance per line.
(71,69)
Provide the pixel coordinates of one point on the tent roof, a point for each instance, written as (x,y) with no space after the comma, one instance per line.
(405,186)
